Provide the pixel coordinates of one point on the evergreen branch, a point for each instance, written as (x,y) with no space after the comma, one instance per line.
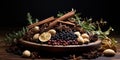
(36,20)
(29,18)
(15,35)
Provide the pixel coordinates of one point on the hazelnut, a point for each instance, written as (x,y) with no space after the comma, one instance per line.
(77,33)
(36,36)
(86,40)
(52,31)
(85,35)
(36,29)
(80,40)
(26,53)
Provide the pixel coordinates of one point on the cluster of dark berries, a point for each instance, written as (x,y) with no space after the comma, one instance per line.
(64,35)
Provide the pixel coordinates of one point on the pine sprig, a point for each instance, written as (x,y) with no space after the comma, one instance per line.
(10,37)
(30,19)
(99,32)
(60,14)
(88,25)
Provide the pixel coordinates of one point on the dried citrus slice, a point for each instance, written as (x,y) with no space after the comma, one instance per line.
(45,36)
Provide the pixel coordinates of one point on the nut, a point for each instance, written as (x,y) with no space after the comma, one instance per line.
(85,35)
(36,36)
(80,40)
(86,40)
(109,52)
(77,33)
(36,29)
(52,31)
(26,53)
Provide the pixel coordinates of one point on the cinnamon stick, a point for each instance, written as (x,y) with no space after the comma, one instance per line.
(41,22)
(67,22)
(64,17)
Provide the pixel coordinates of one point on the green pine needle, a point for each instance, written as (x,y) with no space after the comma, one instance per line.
(15,35)
(29,18)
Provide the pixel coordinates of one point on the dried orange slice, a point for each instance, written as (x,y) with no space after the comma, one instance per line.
(45,36)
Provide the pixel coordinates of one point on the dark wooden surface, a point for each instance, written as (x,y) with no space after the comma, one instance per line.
(9,56)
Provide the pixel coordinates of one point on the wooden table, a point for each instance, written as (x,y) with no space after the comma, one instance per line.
(9,56)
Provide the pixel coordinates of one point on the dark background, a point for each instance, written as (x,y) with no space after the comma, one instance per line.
(13,12)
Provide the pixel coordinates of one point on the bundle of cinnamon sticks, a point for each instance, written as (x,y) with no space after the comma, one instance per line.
(53,21)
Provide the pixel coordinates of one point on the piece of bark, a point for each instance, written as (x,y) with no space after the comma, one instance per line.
(64,17)
(41,22)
